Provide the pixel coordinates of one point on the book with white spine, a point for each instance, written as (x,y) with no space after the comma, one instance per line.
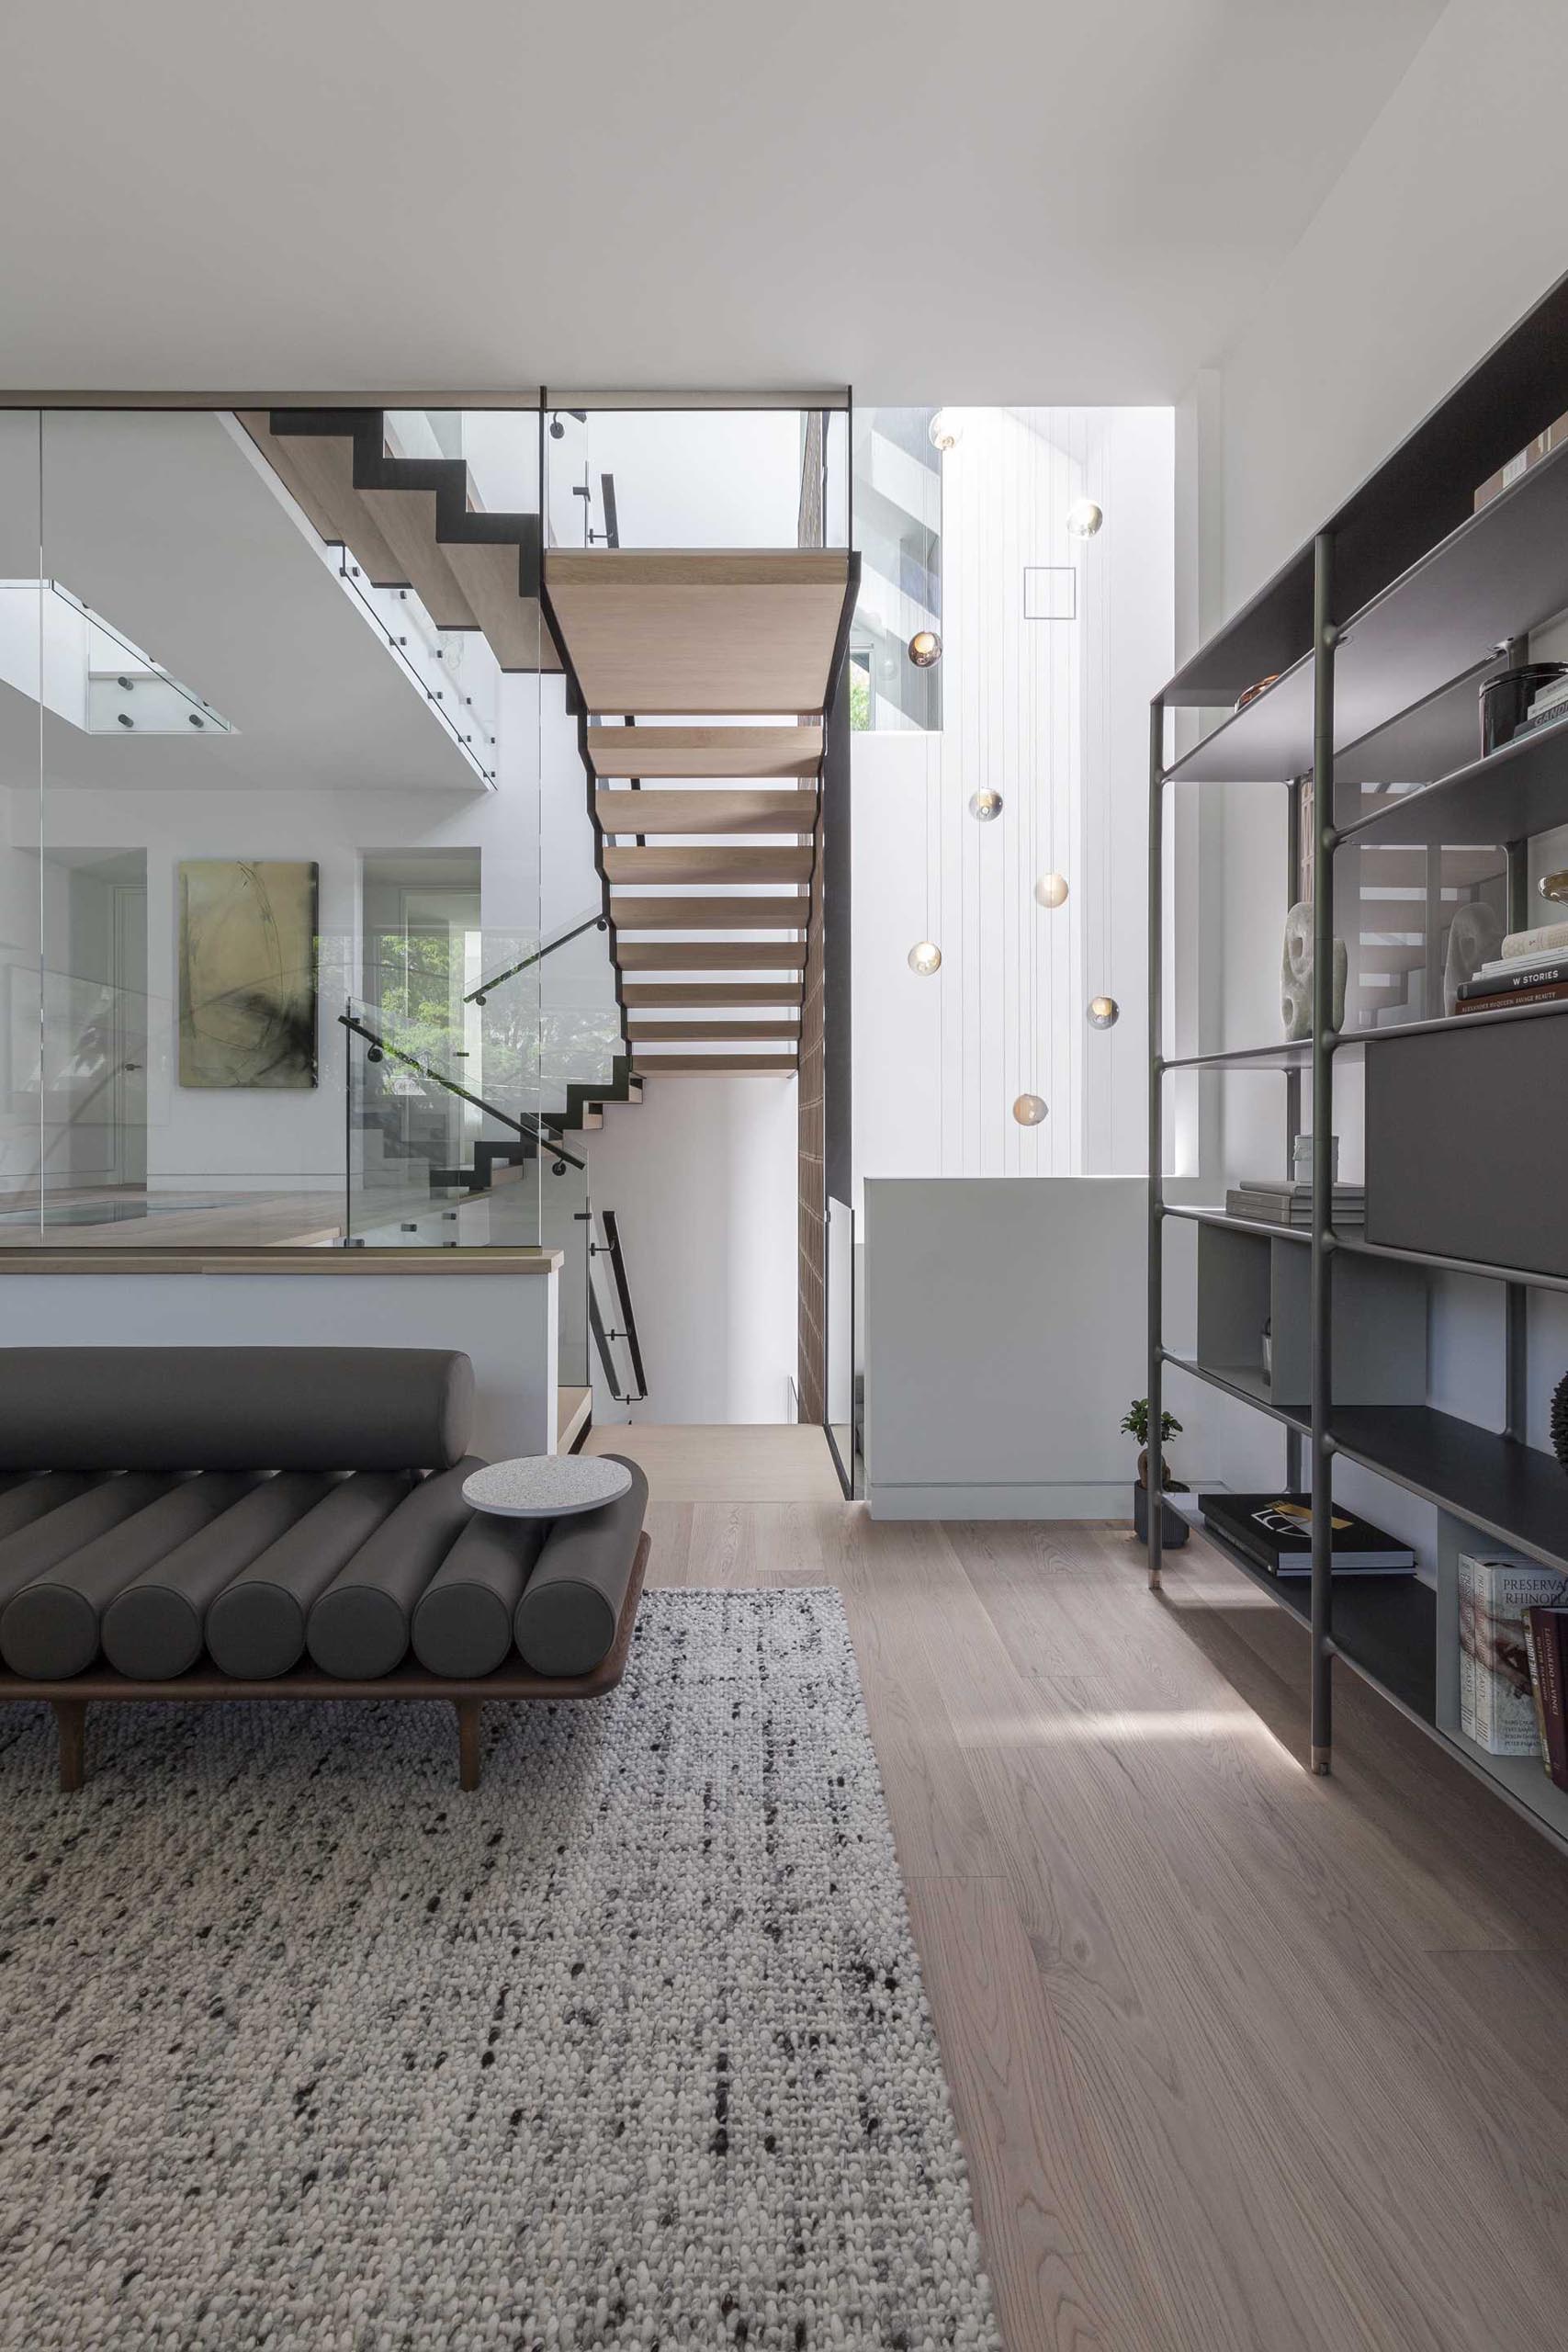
(1531,943)
(1497,1706)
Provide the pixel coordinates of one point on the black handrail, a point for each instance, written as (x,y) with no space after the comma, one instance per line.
(537,1131)
(616,1256)
(478,996)
(602,1341)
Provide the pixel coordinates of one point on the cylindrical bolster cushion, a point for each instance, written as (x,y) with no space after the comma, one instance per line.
(462,1624)
(234,1408)
(33,1498)
(51,1628)
(566,1620)
(153,1629)
(79,1512)
(359,1627)
(255,1627)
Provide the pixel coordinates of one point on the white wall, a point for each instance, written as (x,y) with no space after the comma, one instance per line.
(1004,1340)
(702,1173)
(1054,714)
(1447,225)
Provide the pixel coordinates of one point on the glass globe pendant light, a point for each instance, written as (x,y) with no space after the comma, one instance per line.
(1084,518)
(1028,1110)
(984,805)
(1051,891)
(946,430)
(1104,1013)
(925,957)
(925,648)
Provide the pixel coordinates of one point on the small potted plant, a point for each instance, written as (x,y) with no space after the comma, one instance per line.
(1135,1422)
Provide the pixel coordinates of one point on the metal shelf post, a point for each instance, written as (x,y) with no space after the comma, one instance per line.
(1155,1512)
(1323,838)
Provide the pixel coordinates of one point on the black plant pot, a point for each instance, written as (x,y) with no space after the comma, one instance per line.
(1173,1529)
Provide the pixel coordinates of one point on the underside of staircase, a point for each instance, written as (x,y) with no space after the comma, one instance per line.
(709,830)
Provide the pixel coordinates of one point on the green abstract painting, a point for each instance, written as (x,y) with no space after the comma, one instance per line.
(248,972)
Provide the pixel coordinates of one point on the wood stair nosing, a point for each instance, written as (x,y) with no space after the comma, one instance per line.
(776,912)
(679,996)
(719,1065)
(720,751)
(781,862)
(665,810)
(710,955)
(699,1031)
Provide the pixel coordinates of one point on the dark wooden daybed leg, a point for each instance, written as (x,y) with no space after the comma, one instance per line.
(70,1723)
(469,1716)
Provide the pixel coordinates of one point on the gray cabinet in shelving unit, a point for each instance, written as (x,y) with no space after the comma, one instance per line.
(1466,1142)
(1379,1325)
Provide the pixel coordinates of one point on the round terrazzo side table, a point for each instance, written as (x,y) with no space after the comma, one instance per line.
(546,1486)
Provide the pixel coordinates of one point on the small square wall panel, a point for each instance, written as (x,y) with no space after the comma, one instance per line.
(1050,592)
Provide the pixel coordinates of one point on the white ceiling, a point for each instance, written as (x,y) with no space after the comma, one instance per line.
(931,200)
(170,526)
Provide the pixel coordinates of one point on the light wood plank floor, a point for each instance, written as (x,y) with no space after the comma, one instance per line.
(1241,2058)
(774,1462)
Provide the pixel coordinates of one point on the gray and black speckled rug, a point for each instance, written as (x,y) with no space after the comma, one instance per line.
(306,2047)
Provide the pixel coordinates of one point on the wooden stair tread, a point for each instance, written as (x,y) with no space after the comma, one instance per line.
(668,812)
(406,519)
(699,630)
(700,1032)
(773,913)
(318,470)
(704,751)
(678,995)
(392,530)
(716,1064)
(711,955)
(782,863)
(490,575)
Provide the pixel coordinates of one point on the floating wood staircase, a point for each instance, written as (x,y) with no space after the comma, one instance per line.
(412,523)
(706,827)
(703,826)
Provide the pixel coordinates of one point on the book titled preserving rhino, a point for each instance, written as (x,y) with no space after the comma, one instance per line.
(1496,1698)
(1275,1533)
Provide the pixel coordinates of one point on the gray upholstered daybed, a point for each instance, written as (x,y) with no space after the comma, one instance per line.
(283,1523)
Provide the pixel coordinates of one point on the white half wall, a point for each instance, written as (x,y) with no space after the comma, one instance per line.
(504,1323)
(702,1175)
(1004,1341)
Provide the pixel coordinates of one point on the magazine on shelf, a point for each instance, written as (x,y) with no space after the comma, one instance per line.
(1274,1532)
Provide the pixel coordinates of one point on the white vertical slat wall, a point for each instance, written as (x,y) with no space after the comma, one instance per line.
(1052,713)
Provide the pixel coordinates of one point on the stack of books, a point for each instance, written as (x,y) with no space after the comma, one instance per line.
(1271,1201)
(1274,1532)
(1511,1658)
(1548,704)
(1532,968)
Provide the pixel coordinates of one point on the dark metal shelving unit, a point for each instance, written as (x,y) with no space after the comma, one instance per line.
(1380,633)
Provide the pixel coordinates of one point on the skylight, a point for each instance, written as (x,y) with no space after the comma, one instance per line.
(57,650)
